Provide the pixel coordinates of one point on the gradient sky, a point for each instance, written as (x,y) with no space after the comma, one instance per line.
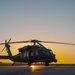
(50,20)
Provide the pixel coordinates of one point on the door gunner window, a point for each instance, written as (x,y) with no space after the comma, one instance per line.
(26,54)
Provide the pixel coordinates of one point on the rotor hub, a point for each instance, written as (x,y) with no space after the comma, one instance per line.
(34,40)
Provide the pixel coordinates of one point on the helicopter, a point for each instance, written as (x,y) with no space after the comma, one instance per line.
(31,53)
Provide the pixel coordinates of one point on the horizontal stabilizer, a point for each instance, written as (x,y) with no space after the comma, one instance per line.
(4,57)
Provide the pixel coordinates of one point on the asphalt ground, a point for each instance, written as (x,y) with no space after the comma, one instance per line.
(37,70)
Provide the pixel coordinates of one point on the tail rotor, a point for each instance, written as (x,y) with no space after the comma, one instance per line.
(6,44)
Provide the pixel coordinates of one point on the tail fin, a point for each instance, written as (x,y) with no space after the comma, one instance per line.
(8,49)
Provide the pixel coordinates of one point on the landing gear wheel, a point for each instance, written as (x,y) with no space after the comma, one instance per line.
(46,63)
(29,63)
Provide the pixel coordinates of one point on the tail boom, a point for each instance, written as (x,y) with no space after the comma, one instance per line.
(4,57)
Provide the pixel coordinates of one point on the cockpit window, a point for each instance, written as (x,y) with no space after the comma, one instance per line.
(51,51)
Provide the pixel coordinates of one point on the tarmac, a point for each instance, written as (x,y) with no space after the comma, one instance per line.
(37,70)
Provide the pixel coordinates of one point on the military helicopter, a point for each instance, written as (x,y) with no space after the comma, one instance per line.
(31,53)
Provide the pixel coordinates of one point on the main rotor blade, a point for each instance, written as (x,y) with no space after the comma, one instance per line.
(37,41)
(2,43)
(57,42)
(15,42)
(18,42)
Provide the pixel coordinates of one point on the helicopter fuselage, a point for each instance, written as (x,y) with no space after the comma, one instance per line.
(36,54)
(30,53)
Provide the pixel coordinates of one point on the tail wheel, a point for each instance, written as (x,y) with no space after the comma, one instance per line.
(46,63)
(13,64)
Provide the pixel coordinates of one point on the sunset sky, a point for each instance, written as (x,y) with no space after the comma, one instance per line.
(47,20)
